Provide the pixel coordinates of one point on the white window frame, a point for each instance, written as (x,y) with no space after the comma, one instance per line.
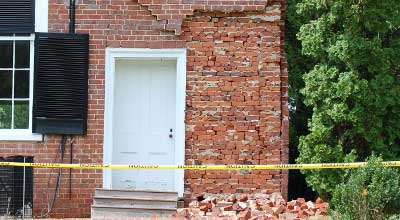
(22,134)
(41,15)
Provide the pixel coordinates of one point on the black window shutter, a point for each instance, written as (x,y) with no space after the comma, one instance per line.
(17,16)
(61,83)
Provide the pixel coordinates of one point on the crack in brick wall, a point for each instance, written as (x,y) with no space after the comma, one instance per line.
(175,11)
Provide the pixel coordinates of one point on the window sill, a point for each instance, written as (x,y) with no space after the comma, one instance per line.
(19,136)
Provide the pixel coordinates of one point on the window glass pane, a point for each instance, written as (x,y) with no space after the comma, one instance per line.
(21,84)
(22,54)
(6,54)
(21,114)
(5,84)
(5,114)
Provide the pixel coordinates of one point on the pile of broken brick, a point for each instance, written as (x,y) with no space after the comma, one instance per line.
(260,206)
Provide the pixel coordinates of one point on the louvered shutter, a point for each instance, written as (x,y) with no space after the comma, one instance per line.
(17,16)
(61,83)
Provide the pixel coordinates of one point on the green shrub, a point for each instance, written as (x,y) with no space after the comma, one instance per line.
(370,193)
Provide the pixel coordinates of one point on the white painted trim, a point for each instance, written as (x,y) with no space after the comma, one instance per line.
(19,135)
(41,15)
(179,55)
(31,79)
(13,88)
(12,37)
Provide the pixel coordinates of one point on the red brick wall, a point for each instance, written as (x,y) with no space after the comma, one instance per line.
(236,93)
(233,99)
(284,101)
(175,11)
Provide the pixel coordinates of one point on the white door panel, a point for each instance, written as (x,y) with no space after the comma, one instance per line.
(144,114)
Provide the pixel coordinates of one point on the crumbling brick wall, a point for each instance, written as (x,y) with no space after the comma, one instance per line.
(234,103)
(236,91)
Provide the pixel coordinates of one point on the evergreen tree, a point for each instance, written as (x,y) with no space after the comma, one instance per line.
(353,88)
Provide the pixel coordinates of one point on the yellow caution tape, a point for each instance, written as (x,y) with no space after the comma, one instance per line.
(202,167)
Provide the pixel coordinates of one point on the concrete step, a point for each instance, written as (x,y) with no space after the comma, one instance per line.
(107,211)
(133,203)
(137,194)
(113,201)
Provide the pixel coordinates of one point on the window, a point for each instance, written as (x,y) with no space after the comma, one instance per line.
(17,25)
(57,102)
(16,82)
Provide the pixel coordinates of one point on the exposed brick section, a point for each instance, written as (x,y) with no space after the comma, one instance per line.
(236,95)
(234,100)
(175,11)
(284,101)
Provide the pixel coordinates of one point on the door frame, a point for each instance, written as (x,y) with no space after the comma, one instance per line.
(114,54)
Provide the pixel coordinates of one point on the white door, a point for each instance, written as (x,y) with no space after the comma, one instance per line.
(144,123)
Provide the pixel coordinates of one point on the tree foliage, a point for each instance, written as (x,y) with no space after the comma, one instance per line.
(298,65)
(353,88)
(299,113)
